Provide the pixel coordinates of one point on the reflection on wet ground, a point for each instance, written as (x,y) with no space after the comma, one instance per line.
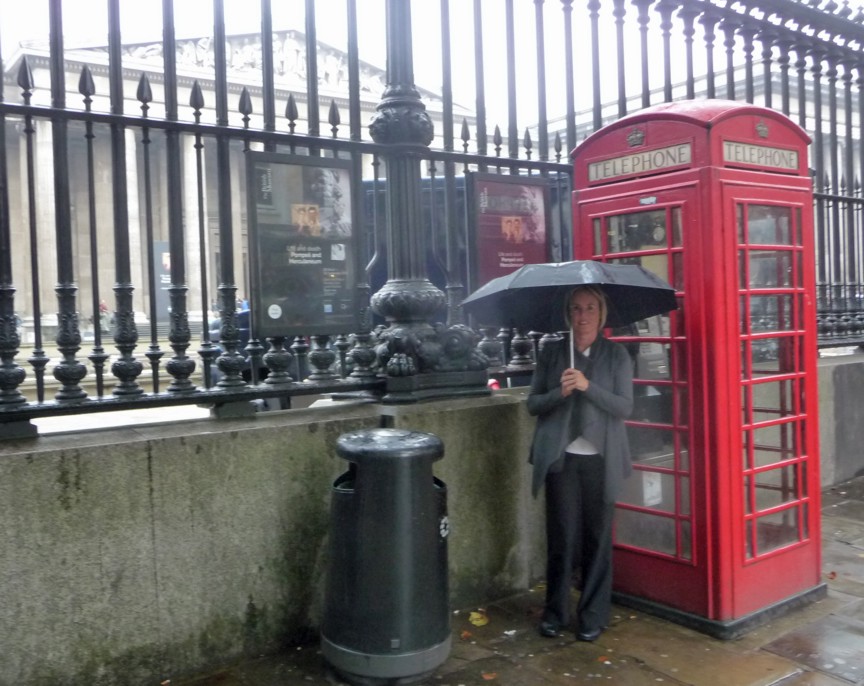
(820,644)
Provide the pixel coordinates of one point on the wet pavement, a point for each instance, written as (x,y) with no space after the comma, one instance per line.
(820,644)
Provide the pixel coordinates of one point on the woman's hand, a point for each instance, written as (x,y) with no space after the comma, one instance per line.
(573,380)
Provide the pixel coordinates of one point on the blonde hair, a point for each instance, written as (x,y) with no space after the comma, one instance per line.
(597,292)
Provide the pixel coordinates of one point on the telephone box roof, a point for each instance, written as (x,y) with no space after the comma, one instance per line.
(705,112)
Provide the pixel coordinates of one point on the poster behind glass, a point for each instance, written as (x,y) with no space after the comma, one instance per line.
(301,228)
(510,224)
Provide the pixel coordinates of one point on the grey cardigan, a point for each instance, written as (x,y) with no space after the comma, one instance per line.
(606,404)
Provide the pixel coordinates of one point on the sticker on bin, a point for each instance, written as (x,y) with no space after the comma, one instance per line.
(444,527)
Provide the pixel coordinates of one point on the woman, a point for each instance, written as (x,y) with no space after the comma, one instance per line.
(581,393)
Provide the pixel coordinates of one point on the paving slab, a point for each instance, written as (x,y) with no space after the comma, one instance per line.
(844,566)
(833,603)
(844,521)
(833,645)
(695,659)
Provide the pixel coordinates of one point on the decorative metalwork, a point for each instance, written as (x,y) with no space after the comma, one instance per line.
(126,368)
(321,358)
(11,374)
(809,67)
(636,137)
(69,371)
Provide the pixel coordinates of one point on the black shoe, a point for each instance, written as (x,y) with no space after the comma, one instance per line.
(549,629)
(589,636)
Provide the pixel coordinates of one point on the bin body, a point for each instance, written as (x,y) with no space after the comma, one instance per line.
(386,613)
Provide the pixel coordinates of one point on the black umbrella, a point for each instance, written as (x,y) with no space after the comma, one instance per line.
(533,297)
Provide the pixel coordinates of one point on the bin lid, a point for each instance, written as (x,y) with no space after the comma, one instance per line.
(388,444)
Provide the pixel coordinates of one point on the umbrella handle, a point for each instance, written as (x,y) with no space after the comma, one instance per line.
(572,340)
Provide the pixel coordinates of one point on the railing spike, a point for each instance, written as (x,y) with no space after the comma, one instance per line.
(144,93)
(245,105)
(86,86)
(25,77)
(196,97)
(291,113)
(333,118)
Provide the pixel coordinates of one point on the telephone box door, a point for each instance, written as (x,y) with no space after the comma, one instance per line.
(773,488)
(659,523)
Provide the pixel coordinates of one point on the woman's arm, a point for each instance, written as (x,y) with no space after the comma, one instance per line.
(545,394)
(617,400)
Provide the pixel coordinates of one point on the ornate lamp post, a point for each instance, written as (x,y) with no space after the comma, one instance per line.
(421,360)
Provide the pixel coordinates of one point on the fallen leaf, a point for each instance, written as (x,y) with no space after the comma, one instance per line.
(602,658)
(478,618)
(831,575)
(465,635)
(488,676)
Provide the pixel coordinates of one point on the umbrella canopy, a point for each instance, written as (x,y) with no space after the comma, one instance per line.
(533,297)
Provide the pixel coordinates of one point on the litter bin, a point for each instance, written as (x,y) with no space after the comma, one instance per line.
(386,612)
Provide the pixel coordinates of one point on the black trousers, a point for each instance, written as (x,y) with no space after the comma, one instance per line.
(579,536)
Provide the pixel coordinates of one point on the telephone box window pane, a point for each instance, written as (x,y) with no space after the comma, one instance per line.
(739,220)
(652,446)
(678,271)
(774,444)
(777,530)
(768,224)
(770,269)
(677,239)
(652,360)
(805,517)
(686,541)
(679,360)
(746,442)
(774,355)
(746,368)
(656,264)
(684,506)
(680,320)
(749,551)
(684,451)
(598,237)
(797,227)
(637,231)
(683,405)
(653,490)
(642,530)
(776,487)
(652,404)
(770,313)
(773,400)
(766,352)
(799,319)
(746,405)
(804,427)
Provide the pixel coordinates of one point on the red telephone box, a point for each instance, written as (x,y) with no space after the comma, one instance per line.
(718,528)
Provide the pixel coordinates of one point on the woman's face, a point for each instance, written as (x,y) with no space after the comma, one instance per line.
(585,314)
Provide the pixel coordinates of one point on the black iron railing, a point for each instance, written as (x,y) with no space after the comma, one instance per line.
(143,158)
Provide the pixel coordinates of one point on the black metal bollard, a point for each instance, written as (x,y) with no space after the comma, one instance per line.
(386,613)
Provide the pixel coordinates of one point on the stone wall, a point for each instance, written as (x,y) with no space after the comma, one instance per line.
(841,418)
(130,556)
